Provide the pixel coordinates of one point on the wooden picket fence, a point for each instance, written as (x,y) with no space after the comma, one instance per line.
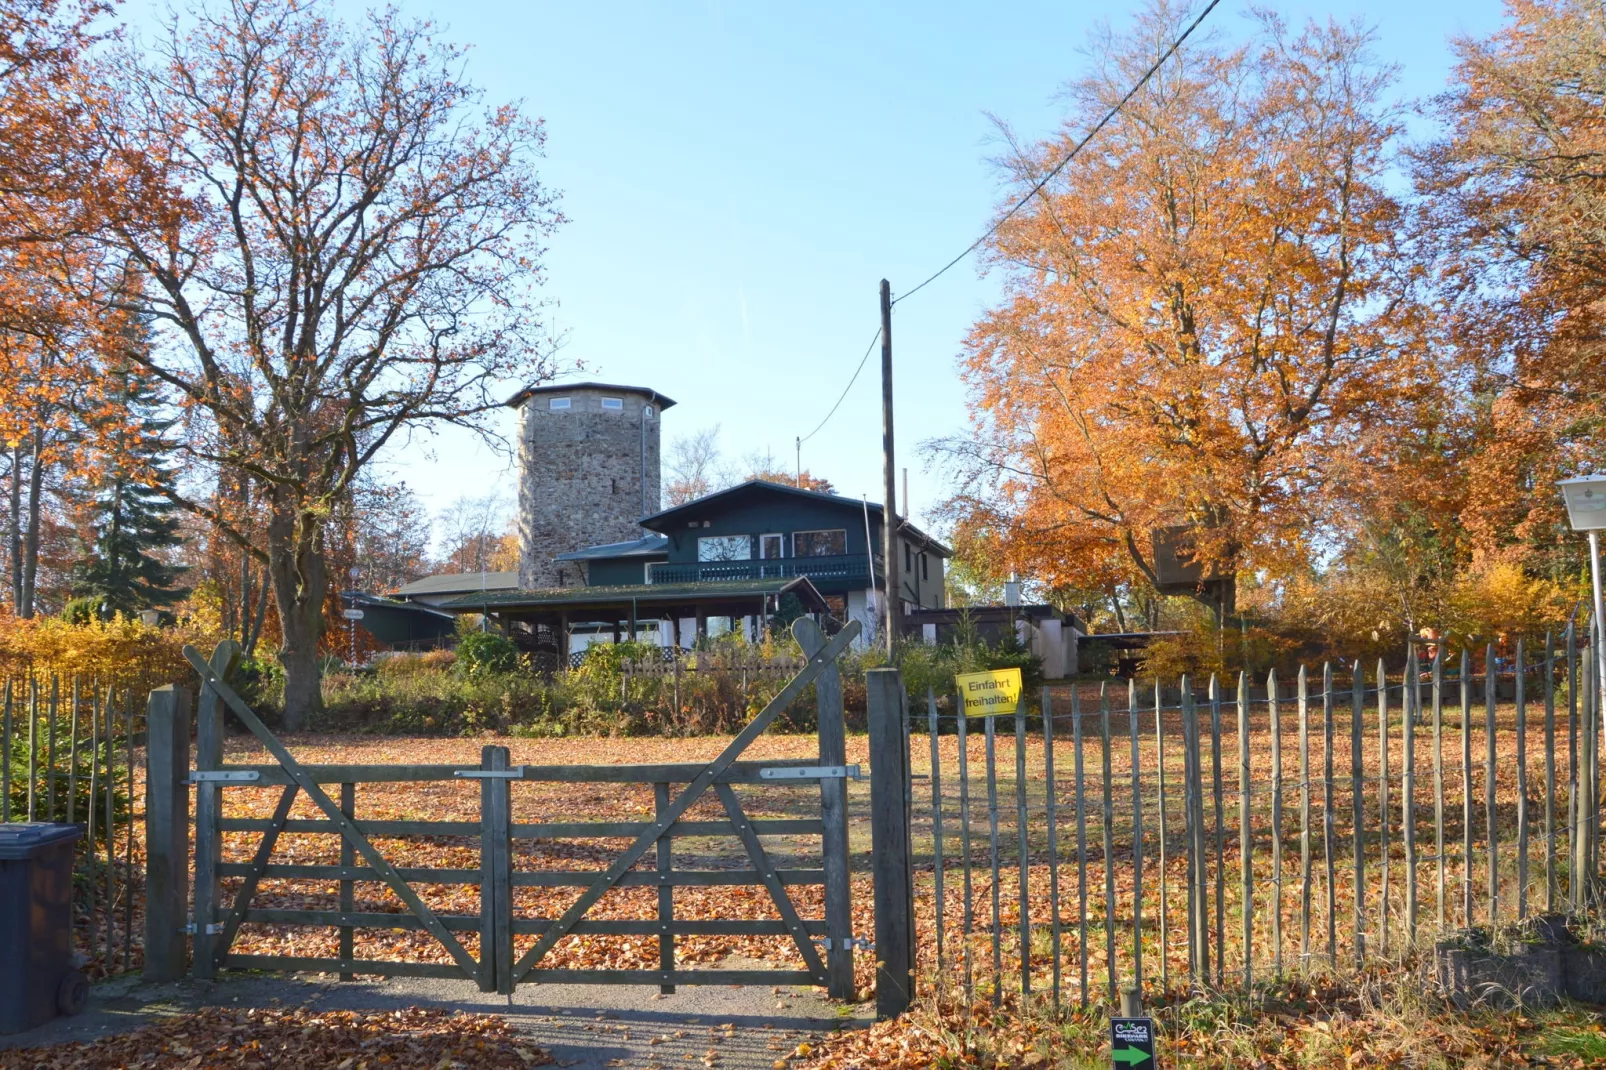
(67,754)
(1216,837)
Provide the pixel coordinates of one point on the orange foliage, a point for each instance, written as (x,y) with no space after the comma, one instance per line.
(1205,319)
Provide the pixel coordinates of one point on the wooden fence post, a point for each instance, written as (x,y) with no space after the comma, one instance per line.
(832,732)
(889,838)
(167,831)
(208,811)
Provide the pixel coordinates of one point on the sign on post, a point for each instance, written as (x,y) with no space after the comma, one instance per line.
(1132,1043)
(351,614)
(991,693)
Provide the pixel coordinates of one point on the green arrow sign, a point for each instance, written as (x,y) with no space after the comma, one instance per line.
(1132,1042)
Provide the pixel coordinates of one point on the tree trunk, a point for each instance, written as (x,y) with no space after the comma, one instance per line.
(14,531)
(296,567)
(30,535)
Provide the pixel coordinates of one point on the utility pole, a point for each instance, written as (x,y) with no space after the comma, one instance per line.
(889,516)
(798,442)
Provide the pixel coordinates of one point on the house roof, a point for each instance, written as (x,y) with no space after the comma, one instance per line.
(455,582)
(563,388)
(639,593)
(649,546)
(668,516)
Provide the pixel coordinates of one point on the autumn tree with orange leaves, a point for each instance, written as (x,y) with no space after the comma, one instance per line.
(1517,190)
(337,241)
(1206,319)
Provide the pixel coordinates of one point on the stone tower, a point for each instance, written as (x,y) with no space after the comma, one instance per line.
(588,471)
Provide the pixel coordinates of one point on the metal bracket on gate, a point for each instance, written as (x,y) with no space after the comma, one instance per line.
(850,943)
(516,773)
(224,776)
(811,772)
(212,929)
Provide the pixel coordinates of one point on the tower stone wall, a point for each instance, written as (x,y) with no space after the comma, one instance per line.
(588,472)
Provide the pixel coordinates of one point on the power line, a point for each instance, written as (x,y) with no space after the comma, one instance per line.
(1034,191)
(1102,123)
(844,397)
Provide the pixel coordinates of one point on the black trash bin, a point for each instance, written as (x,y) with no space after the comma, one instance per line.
(38,978)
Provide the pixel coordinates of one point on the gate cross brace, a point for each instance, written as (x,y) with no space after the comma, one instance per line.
(348,829)
(259,864)
(693,791)
(766,872)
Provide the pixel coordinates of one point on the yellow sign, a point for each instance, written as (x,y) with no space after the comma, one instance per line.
(991,693)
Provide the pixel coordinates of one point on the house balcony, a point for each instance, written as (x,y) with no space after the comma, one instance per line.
(830,575)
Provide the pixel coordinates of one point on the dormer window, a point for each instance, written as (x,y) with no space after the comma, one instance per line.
(554,404)
(613,404)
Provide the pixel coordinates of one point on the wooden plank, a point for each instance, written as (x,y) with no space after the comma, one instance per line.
(577,830)
(208,811)
(72,754)
(939,863)
(1438,782)
(990,737)
(1466,789)
(399,922)
(167,832)
(1246,872)
(1522,779)
(1023,855)
(1358,807)
(1383,803)
(256,870)
(1051,791)
(496,863)
(772,883)
(1137,836)
(889,842)
(348,857)
(1165,895)
(1221,830)
(5,766)
(1302,698)
(678,977)
(1079,771)
(671,772)
(1329,824)
(962,727)
(522,878)
(1108,830)
(694,791)
(374,859)
(666,893)
(377,967)
(1491,814)
(1552,885)
(831,728)
(1410,699)
(1274,714)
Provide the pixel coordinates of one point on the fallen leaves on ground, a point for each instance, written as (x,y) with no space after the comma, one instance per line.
(298,1038)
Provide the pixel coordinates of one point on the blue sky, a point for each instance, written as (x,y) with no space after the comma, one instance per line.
(739,177)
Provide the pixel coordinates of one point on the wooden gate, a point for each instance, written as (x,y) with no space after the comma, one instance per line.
(677,786)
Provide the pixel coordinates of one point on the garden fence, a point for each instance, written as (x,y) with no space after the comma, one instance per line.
(1222,834)
(67,753)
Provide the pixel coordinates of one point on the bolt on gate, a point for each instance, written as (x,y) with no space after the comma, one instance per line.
(500,964)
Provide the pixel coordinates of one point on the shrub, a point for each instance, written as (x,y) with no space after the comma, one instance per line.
(487,652)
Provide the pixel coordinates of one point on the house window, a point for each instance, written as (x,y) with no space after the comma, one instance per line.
(925,571)
(832,543)
(557,403)
(724,548)
(908,558)
(646,411)
(613,404)
(771,546)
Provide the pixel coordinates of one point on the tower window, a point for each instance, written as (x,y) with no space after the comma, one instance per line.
(613,404)
(557,403)
(616,486)
(646,410)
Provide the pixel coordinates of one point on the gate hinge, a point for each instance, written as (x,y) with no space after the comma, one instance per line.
(811,772)
(850,943)
(516,773)
(212,928)
(224,776)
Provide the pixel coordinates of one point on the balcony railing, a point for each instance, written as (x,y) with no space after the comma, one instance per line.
(852,570)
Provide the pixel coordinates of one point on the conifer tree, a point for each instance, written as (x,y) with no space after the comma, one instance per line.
(132,515)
